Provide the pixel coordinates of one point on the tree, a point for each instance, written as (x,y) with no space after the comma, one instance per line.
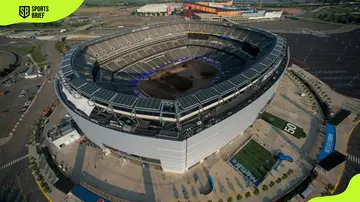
(46,189)
(158,14)
(133,13)
(331,186)
(247,194)
(239,197)
(221,200)
(284,176)
(209,200)
(230,199)
(272,183)
(265,187)
(256,191)
(278,180)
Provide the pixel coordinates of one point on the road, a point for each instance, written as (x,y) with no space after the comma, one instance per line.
(11,174)
(352,165)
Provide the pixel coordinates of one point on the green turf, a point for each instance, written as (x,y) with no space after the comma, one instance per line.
(60,45)
(256,159)
(281,124)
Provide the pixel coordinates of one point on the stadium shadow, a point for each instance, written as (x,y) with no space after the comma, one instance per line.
(77,175)
(314,125)
(118,191)
(309,113)
(78,165)
(149,190)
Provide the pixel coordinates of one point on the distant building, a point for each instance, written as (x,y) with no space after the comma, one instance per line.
(225,9)
(64,134)
(154,9)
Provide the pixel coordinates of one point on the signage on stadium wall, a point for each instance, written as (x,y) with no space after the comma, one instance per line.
(329,142)
(251,177)
(140,29)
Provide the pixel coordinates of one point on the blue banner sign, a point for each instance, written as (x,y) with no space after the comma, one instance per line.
(251,177)
(329,142)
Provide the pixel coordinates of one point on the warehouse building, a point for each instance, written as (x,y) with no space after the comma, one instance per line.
(154,9)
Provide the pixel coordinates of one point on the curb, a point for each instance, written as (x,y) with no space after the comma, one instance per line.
(41,189)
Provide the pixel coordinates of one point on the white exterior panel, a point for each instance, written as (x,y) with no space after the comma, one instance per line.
(176,156)
(211,139)
(170,153)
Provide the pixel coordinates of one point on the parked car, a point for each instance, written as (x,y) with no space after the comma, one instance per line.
(45,111)
(23,109)
(27,103)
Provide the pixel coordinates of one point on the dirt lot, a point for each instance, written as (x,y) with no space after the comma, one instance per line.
(179,81)
(6,59)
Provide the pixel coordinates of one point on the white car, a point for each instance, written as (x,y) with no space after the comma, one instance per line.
(27,103)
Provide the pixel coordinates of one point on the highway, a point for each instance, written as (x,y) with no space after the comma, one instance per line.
(17,182)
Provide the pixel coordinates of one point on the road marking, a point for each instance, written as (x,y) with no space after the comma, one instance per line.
(354,159)
(22,193)
(13,162)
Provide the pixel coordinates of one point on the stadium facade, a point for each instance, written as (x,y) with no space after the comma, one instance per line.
(98,84)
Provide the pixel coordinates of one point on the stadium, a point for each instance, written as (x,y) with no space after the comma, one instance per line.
(171,94)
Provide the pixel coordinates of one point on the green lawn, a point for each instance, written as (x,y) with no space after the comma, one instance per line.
(256,159)
(35,52)
(290,128)
(60,45)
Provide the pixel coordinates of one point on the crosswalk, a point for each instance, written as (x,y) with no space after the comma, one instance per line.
(354,159)
(13,162)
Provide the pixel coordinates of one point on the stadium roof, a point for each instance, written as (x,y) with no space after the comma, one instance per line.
(112,93)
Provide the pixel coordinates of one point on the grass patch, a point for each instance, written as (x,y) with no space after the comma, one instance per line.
(35,52)
(60,45)
(255,159)
(283,125)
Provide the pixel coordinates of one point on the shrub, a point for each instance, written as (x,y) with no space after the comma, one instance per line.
(239,197)
(331,186)
(256,191)
(247,194)
(265,187)
(230,199)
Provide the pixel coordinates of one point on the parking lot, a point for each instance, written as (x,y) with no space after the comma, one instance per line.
(11,103)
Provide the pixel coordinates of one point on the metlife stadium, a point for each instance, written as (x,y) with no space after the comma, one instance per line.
(100,85)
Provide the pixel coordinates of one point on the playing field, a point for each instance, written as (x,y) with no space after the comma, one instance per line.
(253,161)
(290,128)
(179,80)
